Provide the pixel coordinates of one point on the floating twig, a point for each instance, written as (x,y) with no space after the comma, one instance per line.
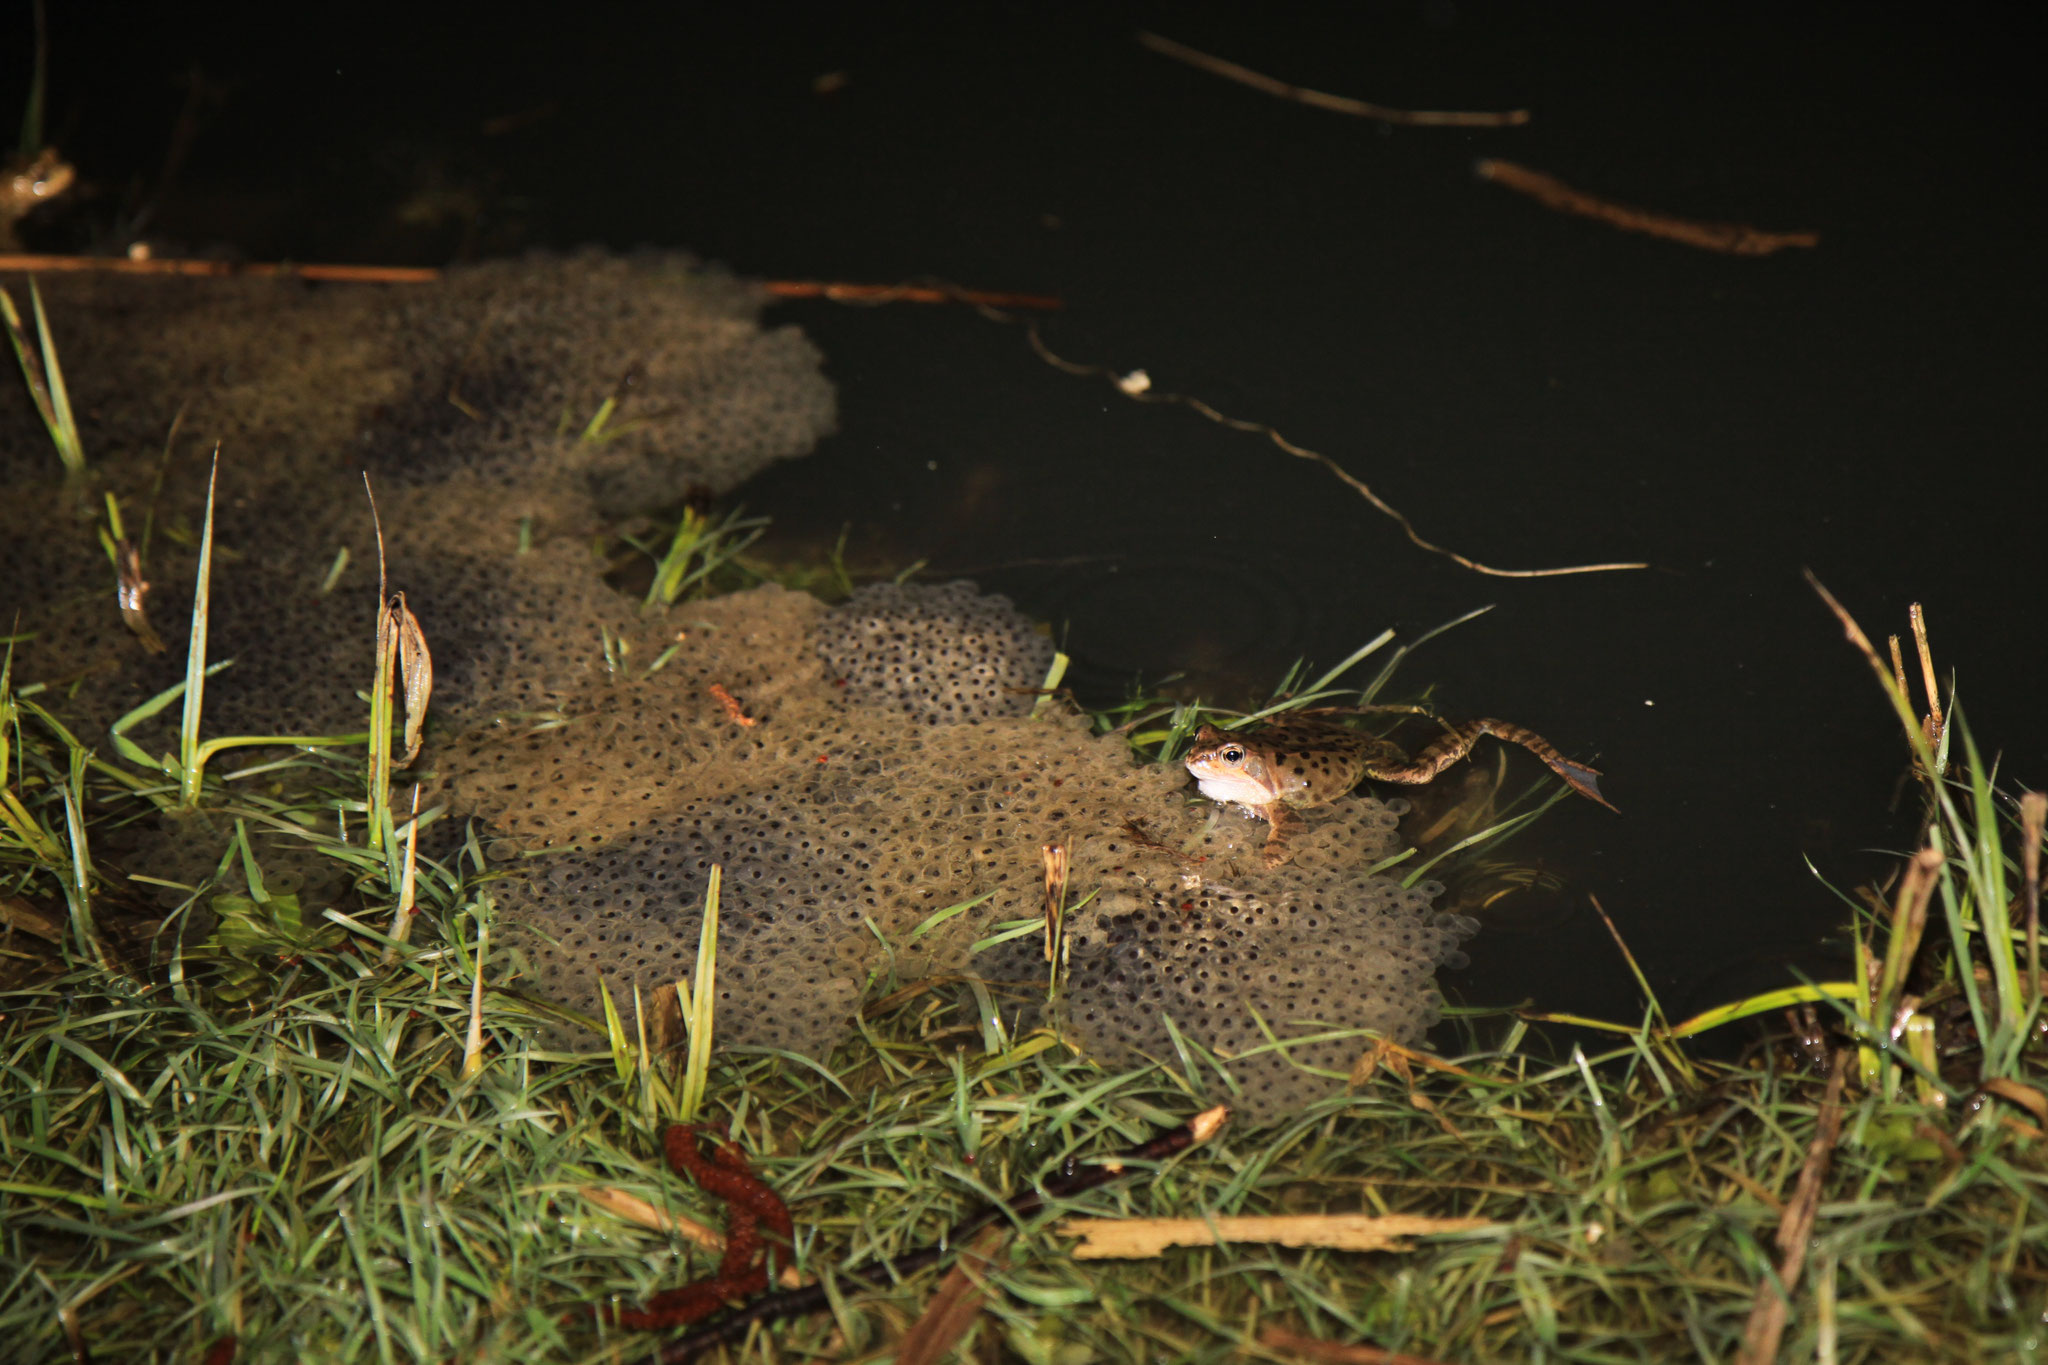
(841,292)
(151,265)
(1147,394)
(1317,99)
(1735,239)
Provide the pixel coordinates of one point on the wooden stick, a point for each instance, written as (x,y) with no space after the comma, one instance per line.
(1317,99)
(1735,239)
(838,291)
(634,1209)
(841,292)
(1128,1239)
(122,265)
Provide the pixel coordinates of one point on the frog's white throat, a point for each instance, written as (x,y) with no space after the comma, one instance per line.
(1233,789)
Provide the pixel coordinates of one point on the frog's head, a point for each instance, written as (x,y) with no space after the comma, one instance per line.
(1228,769)
(34,179)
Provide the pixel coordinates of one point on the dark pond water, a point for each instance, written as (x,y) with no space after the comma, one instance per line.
(1531,389)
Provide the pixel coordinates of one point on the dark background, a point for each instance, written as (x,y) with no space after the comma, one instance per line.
(1532,389)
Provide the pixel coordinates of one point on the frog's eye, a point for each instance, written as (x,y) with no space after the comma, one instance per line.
(1233,755)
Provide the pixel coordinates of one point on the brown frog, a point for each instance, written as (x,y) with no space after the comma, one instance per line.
(1307,759)
(27,183)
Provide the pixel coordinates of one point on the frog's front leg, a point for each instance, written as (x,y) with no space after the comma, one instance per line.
(1282,821)
(1457,742)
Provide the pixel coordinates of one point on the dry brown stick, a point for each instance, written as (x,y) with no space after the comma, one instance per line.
(842,292)
(1149,395)
(1335,1352)
(122,265)
(1129,1239)
(1795,1230)
(837,291)
(633,1209)
(1317,99)
(1736,239)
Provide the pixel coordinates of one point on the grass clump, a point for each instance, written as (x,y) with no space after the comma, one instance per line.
(316,1178)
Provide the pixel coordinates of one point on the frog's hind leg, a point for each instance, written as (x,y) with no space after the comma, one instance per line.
(1582,779)
(1458,742)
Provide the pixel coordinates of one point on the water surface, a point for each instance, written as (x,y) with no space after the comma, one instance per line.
(1531,389)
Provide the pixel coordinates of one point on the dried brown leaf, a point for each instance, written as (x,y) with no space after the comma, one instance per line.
(957,1303)
(16,913)
(415,671)
(2025,1096)
(133,595)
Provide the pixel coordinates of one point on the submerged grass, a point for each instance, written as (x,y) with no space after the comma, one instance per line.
(362,1156)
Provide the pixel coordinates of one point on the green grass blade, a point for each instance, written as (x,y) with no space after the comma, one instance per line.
(195,654)
(703,1001)
(1765,1003)
(63,427)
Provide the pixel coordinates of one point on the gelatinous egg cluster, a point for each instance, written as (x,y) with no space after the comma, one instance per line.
(869,777)
(503,415)
(867,843)
(934,655)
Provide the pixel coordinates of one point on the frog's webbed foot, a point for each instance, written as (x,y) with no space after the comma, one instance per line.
(1458,742)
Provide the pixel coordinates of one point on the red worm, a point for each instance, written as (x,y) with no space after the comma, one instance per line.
(743,1271)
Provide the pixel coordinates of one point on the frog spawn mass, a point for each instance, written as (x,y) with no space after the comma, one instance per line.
(893,772)
(465,401)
